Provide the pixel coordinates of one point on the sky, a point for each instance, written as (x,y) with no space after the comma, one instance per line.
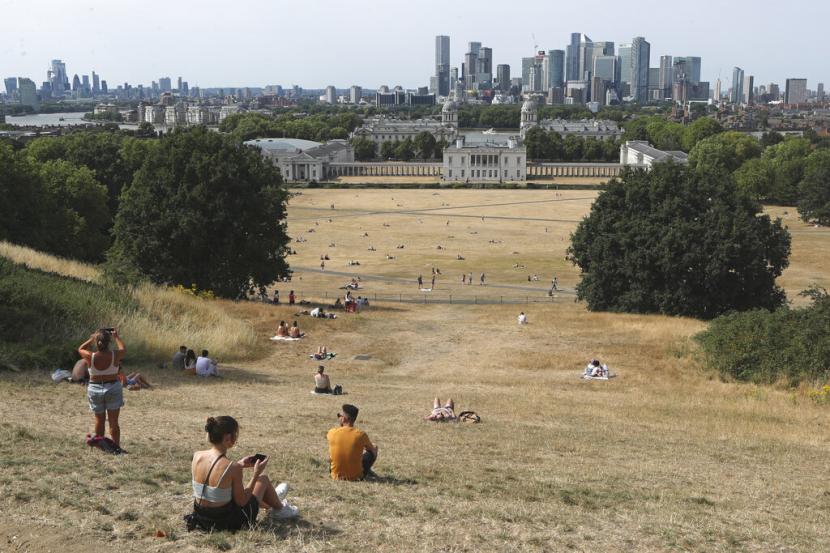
(315,43)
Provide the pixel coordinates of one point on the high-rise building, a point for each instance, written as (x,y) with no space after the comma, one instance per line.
(331,95)
(165,85)
(795,92)
(605,67)
(60,82)
(737,85)
(503,76)
(689,66)
(96,83)
(11,85)
(572,57)
(179,85)
(28,93)
(820,92)
(598,90)
(557,68)
(76,83)
(470,66)
(749,90)
(718,91)
(442,65)
(640,57)
(592,50)
(625,64)
(666,76)
(355,94)
(484,71)
(103,86)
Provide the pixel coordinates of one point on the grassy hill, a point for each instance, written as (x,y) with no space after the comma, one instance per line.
(48,306)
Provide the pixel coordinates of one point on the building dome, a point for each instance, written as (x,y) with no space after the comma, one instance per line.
(529,105)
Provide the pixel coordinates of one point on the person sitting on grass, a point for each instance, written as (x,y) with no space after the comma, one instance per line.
(294,331)
(221,500)
(105,392)
(205,366)
(80,372)
(190,362)
(322,385)
(178,358)
(351,453)
(596,369)
(442,414)
(133,381)
(282,329)
(522,318)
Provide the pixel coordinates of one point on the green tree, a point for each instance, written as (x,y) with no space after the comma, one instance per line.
(364,149)
(814,191)
(536,143)
(665,135)
(79,218)
(405,150)
(425,145)
(678,242)
(755,178)
(572,148)
(24,202)
(697,131)
(145,130)
(387,149)
(203,211)
(724,151)
(787,160)
(438,151)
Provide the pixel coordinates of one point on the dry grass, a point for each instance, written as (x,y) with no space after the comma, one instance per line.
(49,263)
(663,458)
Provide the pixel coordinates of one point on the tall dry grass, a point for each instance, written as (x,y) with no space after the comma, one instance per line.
(154,320)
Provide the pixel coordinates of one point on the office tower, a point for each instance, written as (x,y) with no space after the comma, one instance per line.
(774,92)
(503,76)
(86,89)
(748,93)
(625,64)
(592,50)
(355,94)
(45,90)
(453,77)
(58,78)
(76,83)
(572,58)
(103,87)
(185,89)
(795,92)
(179,85)
(598,90)
(28,93)
(96,83)
(666,76)
(689,66)
(737,85)
(484,72)
(471,65)
(820,92)
(527,64)
(165,85)
(605,67)
(11,85)
(640,57)
(717,90)
(442,65)
(331,95)
(557,68)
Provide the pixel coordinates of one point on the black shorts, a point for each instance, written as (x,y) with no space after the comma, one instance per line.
(227,517)
(322,390)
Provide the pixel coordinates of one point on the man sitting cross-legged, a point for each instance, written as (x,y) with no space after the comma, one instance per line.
(351,452)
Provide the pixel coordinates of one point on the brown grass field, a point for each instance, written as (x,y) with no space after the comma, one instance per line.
(666,457)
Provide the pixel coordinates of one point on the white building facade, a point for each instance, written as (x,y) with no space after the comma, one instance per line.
(485,161)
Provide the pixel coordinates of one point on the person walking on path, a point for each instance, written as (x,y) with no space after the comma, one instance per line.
(481,283)
(420,281)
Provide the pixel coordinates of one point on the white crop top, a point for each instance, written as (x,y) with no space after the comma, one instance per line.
(112,370)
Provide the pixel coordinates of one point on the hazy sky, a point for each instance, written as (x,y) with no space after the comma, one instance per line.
(315,43)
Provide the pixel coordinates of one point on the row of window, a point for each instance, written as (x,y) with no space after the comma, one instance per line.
(488,173)
(476,160)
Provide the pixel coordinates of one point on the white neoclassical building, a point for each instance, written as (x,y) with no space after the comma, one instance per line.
(303,160)
(386,129)
(485,157)
(529,116)
(641,154)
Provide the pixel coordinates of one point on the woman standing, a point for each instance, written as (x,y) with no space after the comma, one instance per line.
(105,393)
(221,502)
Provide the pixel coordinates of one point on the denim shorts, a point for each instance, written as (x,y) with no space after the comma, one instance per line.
(105,396)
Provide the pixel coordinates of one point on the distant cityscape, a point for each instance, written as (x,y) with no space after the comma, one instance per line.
(586,72)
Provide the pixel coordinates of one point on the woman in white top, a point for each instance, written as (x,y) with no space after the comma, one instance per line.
(221,501)
(105,393)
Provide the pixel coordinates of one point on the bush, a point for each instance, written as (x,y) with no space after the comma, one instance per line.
(764,347)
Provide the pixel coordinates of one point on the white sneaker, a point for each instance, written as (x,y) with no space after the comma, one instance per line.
(282,491)
(287,511)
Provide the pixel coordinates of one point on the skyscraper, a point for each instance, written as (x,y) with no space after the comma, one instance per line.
(666,76)
(11,85)
(749,90)
(557,68)
(442,65)
(605,67)
(717,90)
(60,82)
(28,93)
(355,94)
(76,83)
(796,92)
(96,83)
(689,66)
(164,84)
(484,71)
(625,63)
(640,58)
(820,92)
(572,58)
(503,76)
(331,95)
(86,89)
(737,85)
(471,64)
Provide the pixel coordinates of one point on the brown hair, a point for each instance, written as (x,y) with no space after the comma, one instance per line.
(218,427)
(102,340)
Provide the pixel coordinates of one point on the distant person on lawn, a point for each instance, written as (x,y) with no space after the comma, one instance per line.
(282,329)
(351,453)
(190,362)
(322,384)
(105,393)
(221,501)
(294,331)
(205,366)
(178,358)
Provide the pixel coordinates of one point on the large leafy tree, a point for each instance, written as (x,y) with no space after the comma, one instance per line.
(202,210)
(425,144)
(24,201)
(678,242)
(814,204)
(699,130)
(724,151)
(364,149)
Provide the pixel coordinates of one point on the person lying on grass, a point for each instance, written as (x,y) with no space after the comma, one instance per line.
(351,453)
(133,381)
(441,414)
(221,500)
(104,393)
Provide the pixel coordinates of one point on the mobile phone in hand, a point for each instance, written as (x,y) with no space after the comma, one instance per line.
(259,457)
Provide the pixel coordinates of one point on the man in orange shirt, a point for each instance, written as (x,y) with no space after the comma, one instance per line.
(351,452)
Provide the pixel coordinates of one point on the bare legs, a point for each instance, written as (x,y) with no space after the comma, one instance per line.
(115,430)
(265,493)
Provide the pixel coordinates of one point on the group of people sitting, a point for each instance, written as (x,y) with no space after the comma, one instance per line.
(185,360)
(283,331)
(595,369)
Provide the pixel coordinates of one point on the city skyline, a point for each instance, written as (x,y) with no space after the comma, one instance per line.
(240,50)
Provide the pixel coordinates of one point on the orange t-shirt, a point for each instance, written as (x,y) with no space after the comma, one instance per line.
(346,445)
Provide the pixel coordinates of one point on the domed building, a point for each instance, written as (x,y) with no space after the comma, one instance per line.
(449,114)
(530,117)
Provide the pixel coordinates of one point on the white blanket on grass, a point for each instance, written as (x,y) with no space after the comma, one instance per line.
(285,338)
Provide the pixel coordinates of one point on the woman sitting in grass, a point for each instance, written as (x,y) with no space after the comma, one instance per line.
(221,501)
(282,329)
(294,331)
(190,362)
